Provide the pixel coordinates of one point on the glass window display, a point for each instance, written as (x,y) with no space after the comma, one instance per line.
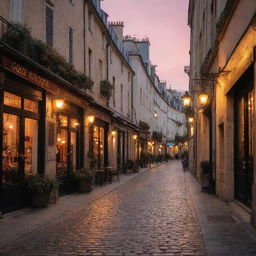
(10,153)
(12,100)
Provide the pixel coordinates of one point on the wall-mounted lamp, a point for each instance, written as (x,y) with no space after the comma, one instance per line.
(186,99)
(191,119)
(113,133)
(90,119)
(135,136)
(59,104)
(155,115)
(203,98)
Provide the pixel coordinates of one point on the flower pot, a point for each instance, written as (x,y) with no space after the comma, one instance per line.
(85,186)
(40,200)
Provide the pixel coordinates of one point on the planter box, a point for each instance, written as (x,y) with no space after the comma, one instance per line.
(85,186)
(40,200)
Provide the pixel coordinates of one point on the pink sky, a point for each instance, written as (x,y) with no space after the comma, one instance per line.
(165,23)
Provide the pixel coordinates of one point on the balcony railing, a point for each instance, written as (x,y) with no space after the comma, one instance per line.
(5,26)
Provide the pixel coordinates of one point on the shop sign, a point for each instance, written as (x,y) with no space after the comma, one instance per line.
(20,70)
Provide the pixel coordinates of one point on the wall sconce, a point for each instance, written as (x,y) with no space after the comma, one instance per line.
(155,115)
(161,146)
(113,133)
(90,119)
(186,99)
(203,98)
(135,136)
(191,119)
(59,103)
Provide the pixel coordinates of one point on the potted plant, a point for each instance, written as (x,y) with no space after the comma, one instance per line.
(40,188)
(85,180)
(205,175)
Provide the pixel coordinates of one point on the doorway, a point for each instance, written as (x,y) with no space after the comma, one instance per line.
(244,143)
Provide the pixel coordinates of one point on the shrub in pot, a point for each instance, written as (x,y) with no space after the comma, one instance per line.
(40,188)
(85,178)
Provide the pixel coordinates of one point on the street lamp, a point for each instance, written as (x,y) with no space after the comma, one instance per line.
(191,119)
(186,98)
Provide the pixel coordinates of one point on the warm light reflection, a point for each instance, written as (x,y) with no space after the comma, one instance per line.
(113,133)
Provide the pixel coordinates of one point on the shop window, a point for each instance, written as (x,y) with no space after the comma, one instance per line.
(12,100)
(62,150)
(98,146)
(30,105)
(31,139)
(10,153)
(63,121)
(74,123)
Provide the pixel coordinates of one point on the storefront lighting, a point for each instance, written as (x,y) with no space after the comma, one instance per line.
(135,136)
(203,98)
(90,119)
(63,142)
(113,133)
(58,139)
(59,103)
(11,126)
(75,124)
(186,99)
(161,146)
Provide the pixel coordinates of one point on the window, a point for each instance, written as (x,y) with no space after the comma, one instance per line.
(90,21)
(122,67)
(49,25)
(90,62)
(16,11)
(128,105)
(100,70)
(70,45)
(114,91)
(103,41)
(129,76)
(121,98)
(110,57)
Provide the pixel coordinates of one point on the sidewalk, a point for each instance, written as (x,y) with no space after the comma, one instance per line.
(225,232)
(18,224)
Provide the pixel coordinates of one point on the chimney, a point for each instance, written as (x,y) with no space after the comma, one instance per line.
(118,27)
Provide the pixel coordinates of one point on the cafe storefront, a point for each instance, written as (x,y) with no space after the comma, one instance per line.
(36,137)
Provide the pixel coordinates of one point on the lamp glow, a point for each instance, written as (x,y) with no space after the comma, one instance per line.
(186,99)
(203,98)
(113,133)
(191,119)
(135,136)
(59,103)
(90,119)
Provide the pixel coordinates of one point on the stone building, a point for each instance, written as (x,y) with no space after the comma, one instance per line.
(68,93)
(222,82)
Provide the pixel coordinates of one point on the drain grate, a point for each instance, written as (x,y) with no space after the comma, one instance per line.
(220,219)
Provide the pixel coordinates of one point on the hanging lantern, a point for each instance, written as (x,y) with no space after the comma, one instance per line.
(186,99)
(203,98)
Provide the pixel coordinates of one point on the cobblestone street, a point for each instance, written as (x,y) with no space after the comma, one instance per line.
(151,215)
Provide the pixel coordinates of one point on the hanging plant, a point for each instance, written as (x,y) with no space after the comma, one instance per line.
(19,37)
(144,125)
(106,89)
(157,136)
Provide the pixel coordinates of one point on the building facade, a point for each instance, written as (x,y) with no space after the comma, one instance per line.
(68,93)
(222,67)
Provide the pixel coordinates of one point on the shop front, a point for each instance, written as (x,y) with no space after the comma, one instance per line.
(22,121)
(99,143)
(69,151)
(244,138)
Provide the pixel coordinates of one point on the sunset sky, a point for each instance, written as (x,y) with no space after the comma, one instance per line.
(165,23)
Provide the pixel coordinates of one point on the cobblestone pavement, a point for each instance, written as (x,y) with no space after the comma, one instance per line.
(151,215)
